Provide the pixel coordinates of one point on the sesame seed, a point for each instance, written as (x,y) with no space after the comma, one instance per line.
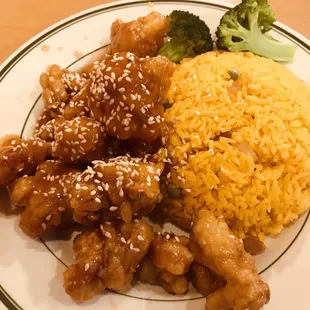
(97,200)
(93,193)
(121,90)
(113,208)
(123,240)
(136,249)
(61,209)
(106,186)
(188,190)
(86,267)
(168,237)
(108,235)
(176,238)
(131,246)
(35,192)
(231,236)
(140,238)
(5,157)
(121,193)
(48,217)
(77,186)
(100,175)
(43,226)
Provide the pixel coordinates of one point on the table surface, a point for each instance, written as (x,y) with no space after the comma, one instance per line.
(22,19)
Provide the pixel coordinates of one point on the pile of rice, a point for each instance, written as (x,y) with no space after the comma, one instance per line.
(241,148)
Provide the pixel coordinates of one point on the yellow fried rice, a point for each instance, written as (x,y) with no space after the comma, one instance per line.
(240,147)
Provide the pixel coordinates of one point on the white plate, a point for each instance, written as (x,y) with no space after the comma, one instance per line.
(31,271)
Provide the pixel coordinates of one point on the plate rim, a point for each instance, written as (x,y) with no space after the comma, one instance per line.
(34,41)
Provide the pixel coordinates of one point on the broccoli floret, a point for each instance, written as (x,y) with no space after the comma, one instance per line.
(189,36)
(245,27)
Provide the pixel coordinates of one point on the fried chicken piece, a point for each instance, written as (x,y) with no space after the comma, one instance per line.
(58,86)
(122,187)
(215,247)
(45,118)
(81,139)
(127,95)
(204,280)
(106,258)
(170,253)
(149,274)
(48,201)
(19,157)
(45,128)
(140,148)
(168,261)
(147,271)
(88,218)
(78,105)
(21,190)
(173,284)
(143,37)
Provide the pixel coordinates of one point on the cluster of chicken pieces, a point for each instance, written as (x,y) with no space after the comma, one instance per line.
(96,158)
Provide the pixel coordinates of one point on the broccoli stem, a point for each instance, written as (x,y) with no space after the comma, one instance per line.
(174,50)
(263,45)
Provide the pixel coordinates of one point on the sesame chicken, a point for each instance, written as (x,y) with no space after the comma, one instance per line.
(78,105)
(81,139)
(21,190)
(204,280)
(170,253)
(167,263)
(122,187)
(107,257)
(45,206)
(127,94)
(173,284)
(59,85)
(215,247)
(143,37)
(19,157)
(43,128)
(147,271)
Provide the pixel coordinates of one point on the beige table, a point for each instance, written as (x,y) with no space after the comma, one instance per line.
(22,19)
